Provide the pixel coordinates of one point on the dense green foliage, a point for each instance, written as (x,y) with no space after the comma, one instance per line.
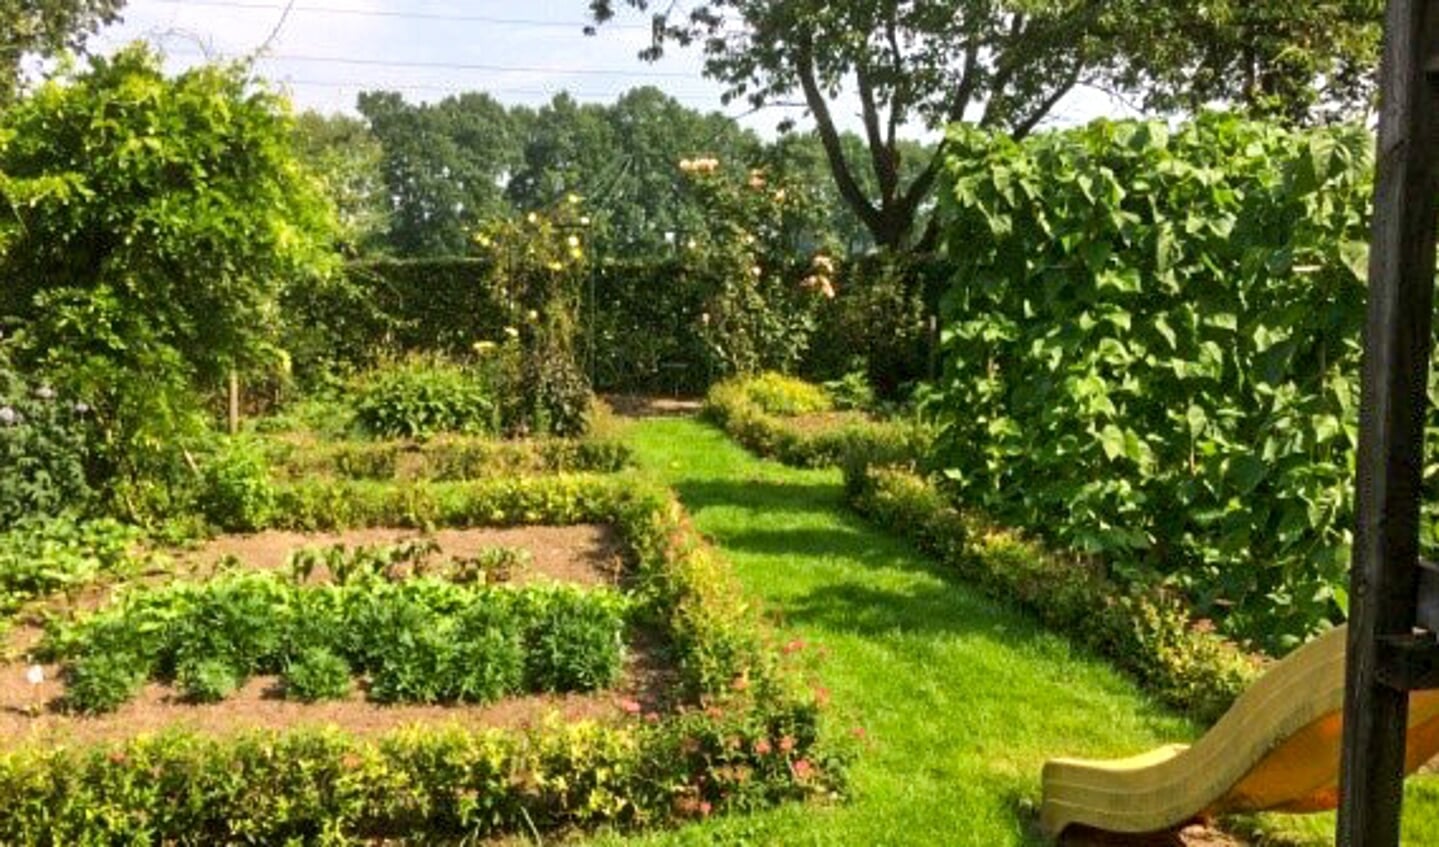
(153,223)
(420,398)
(43,448)
(423,784)
(39,557)
(419,640)
(766,425)
(1151,353)
(445,458)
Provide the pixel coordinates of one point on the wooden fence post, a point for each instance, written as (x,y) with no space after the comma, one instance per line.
(1384,578)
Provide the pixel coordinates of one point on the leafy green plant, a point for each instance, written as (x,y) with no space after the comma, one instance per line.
(235,489)
(102,682)
(492,565)
(42,447)
(1152,353)
(40,557)
(206,680)
(573,639)
(317,673)
(420,398)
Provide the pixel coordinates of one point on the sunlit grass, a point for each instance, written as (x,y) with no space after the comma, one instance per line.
(961,700)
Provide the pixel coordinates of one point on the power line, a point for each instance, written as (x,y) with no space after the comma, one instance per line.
(379,13)
(465,66)
(695,99)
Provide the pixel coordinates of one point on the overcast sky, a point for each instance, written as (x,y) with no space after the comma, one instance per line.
(324,52)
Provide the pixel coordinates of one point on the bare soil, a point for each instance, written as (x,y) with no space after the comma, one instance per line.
(586,555)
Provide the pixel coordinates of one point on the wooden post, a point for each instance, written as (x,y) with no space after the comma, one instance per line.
(234,401)
(1384,578)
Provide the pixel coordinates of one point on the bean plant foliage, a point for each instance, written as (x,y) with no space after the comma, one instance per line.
(1152,353)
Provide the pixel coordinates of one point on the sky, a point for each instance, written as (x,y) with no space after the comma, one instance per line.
(324,52)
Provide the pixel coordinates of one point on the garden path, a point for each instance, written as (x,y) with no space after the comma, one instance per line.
(959,699)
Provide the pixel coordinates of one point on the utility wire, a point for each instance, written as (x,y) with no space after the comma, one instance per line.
(380,13)
(464,66)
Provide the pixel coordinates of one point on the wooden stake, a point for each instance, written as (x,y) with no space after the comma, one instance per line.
(234,401)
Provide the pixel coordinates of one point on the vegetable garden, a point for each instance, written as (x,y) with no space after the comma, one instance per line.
(300,546)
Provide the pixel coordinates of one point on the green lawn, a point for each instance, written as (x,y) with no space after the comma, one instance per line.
(961,699)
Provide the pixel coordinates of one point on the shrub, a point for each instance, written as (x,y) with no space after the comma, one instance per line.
(235,489)
(729,405)
(420,398)
(777,394)
(317,673)
(102,682)
(206,680)
(42,448)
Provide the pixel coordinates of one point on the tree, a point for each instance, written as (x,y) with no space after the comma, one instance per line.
(1002,64)
(45,27)
(623,159)
(150,226)
(347,159)
(445,167)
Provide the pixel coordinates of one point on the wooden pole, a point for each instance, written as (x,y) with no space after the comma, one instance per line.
(234,401)
(1384,577)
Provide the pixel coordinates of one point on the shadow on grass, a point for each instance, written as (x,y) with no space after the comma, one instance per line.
(762,495)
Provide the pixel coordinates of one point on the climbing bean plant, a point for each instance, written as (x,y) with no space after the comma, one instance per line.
(1152,348)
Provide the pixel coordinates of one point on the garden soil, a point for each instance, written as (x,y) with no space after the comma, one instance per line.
(587,555)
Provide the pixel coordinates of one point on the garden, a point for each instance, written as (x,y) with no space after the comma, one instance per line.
(338,506)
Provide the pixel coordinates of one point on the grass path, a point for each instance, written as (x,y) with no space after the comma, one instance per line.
(961,699)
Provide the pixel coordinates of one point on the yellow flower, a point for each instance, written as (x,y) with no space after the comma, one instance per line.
(574,199)
(512,332)
(555,266)
(532,315)
(532,218)
(483,347)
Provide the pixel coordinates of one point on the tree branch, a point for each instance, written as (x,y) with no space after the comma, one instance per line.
(880,155)
(829,138)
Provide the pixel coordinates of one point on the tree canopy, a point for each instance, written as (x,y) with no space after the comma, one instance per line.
(1006,64)
(46,27)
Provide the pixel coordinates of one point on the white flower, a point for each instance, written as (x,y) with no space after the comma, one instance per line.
(8,415)
(45,392)
(34,674)
(573,241)
(512,332)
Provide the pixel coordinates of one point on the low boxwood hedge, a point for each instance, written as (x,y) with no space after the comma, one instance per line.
(1146,631)
(747,732)
(733,406)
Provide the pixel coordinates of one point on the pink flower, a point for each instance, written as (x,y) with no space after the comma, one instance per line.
(801,768)
(762,747)
(786,744)
(631,707)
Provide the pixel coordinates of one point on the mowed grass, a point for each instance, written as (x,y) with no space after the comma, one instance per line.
(960,698)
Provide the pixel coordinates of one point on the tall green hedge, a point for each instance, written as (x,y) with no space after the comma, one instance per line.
(1151,352)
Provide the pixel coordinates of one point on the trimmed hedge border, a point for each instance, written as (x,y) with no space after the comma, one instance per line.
(729,406)
(445,458)
(747,734)
(1146,632)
